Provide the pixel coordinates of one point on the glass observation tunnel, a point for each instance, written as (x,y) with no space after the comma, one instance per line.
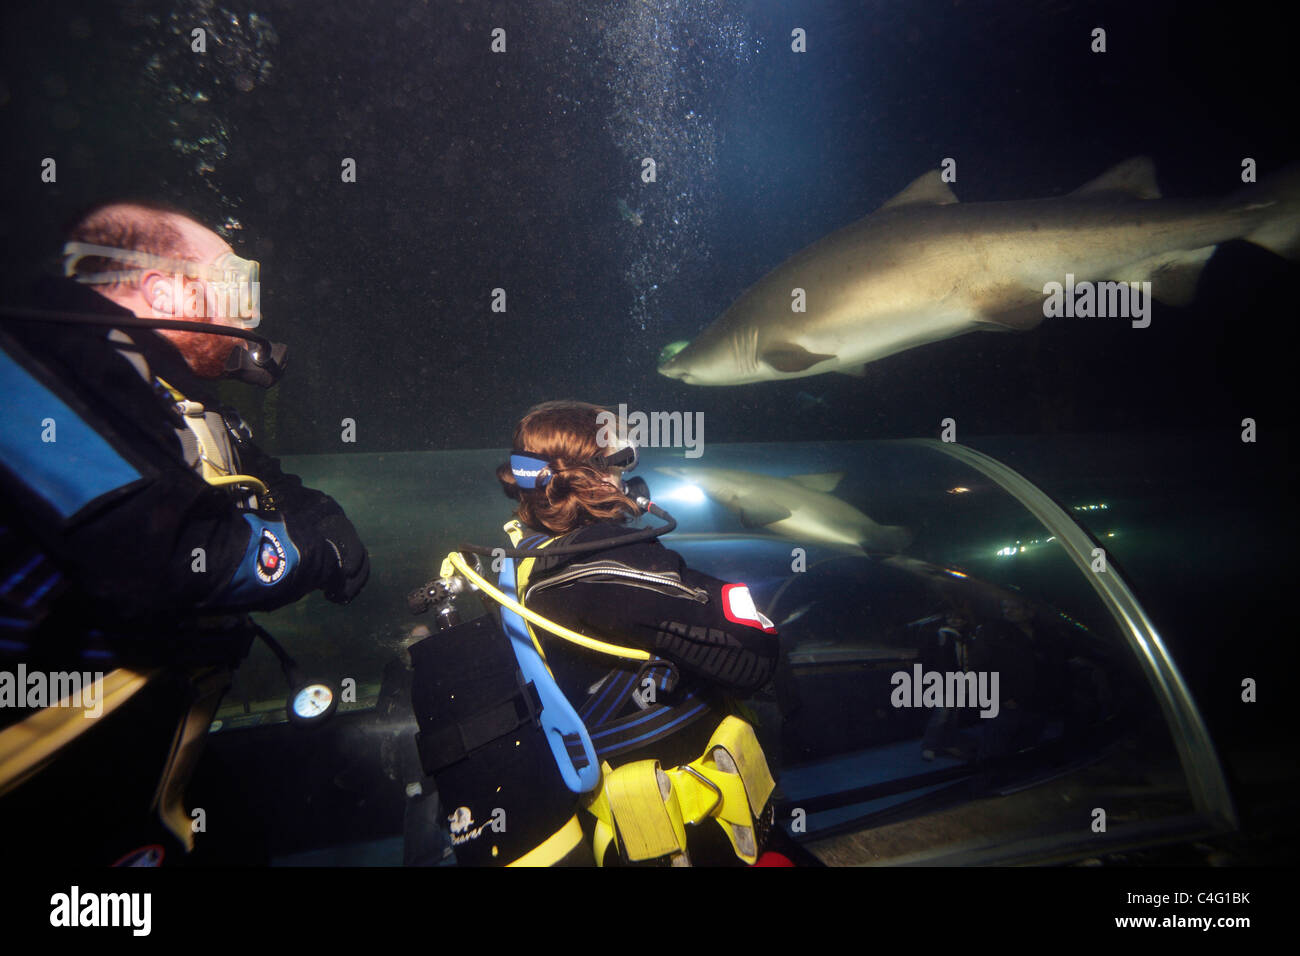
(1024,558)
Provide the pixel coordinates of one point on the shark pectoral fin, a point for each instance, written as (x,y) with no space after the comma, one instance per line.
(824,482)
(929,189)
(1173,276)
(1017,318)
(789,357)
(857,371)
(1006,307)
(889,537)
(1134,178)
(897,537)
(756,513)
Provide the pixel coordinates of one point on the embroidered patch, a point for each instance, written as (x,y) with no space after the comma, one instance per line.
(271,563)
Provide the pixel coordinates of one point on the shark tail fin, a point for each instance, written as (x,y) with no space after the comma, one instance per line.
(1280,232)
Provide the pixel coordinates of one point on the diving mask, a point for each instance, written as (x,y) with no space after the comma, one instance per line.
(532,470)
(623,456)
(242,277)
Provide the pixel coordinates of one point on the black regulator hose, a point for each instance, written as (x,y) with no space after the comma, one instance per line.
(262,364)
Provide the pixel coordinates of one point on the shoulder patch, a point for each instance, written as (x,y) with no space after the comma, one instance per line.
(271,563)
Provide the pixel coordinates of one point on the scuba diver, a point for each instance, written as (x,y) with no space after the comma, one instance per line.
(140,525)
(606,725)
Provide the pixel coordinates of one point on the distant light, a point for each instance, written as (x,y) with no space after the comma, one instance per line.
(959,490)
(686,494)
(1020,547)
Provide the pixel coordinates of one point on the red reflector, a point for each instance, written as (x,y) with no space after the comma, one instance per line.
(738,606)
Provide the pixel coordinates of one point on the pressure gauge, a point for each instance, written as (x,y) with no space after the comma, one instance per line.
(311,704)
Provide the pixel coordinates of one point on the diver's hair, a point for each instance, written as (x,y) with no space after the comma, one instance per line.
(137,225)
(564,434)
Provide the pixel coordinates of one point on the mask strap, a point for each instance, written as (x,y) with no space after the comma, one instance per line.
(530,471)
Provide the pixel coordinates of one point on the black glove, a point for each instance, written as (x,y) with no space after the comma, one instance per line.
(354,562)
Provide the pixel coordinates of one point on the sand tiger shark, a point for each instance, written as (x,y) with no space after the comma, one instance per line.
(925,267)
(800,507)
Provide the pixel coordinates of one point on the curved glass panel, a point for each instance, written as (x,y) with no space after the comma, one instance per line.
(973,684)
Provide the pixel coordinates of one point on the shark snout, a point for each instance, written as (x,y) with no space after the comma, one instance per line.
(672,370)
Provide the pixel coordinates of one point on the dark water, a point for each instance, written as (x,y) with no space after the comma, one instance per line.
(478,171)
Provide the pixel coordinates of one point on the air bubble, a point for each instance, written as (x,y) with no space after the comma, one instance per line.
(671,57)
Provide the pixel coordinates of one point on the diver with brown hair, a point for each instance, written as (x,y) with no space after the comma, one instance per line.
(648,655)
(685,617)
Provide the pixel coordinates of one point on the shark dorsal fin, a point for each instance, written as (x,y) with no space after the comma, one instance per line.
(824,482)
(928,189)
(1134,178)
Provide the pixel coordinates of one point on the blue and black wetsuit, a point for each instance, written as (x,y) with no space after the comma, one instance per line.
(94,475)
(116,552)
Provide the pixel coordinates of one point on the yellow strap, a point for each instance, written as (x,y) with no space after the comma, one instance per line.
(559,630)
(187,745)
(175,393)
(555,847)
(697,795)
(734,766)
(730,783)
(644,806)
(598,806)
(738,739)
(28,745)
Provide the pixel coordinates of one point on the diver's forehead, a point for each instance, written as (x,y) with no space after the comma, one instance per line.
(203,241)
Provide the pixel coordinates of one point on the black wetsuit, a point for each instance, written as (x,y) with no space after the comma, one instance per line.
(101,519)
(716,659)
